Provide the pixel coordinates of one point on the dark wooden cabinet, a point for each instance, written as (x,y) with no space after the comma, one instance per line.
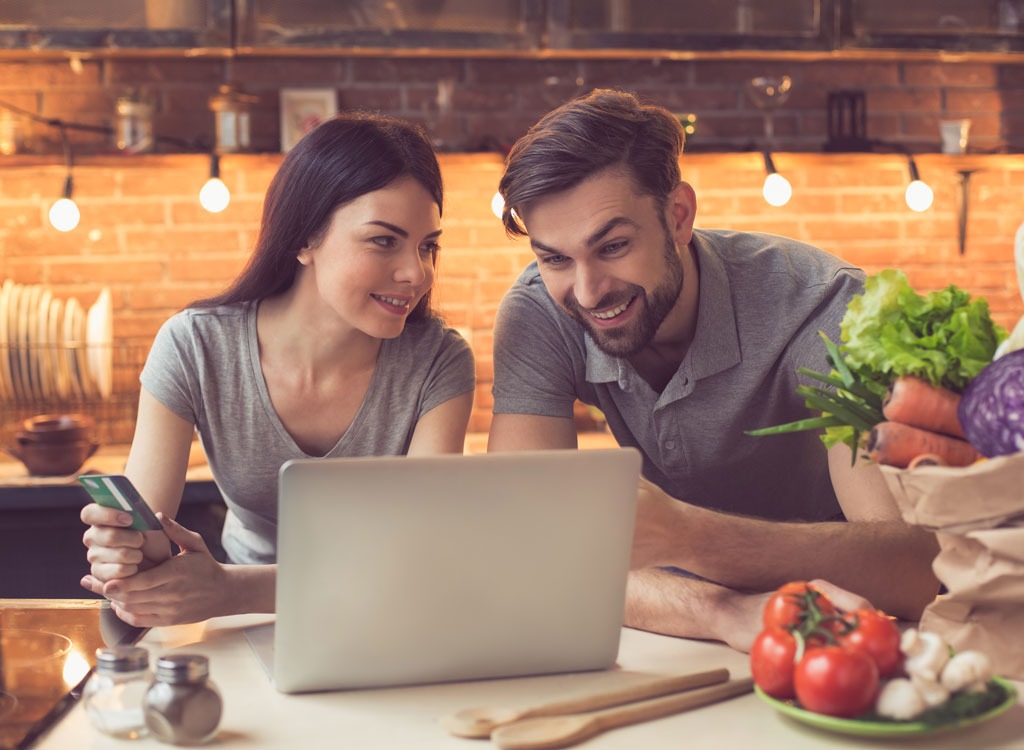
(401,24)
(649,27)
(116,25)
(41,550)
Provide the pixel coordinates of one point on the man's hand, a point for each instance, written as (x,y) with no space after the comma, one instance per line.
(658,529)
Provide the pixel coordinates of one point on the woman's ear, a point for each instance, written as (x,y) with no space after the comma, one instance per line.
(682,208)
(305,256)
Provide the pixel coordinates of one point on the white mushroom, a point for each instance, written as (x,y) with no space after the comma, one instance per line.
(968,670)
(900,699)
(931,690)
(926,654)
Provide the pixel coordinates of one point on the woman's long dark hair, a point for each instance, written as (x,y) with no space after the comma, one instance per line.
(343,158)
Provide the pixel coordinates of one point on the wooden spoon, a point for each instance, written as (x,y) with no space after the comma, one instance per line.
(480,722)
(561,731)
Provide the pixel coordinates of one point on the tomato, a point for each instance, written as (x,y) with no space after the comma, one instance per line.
(772,660)
(876,634)
(787,607)
(836,681)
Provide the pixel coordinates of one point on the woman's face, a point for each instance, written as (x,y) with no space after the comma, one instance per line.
(375,260)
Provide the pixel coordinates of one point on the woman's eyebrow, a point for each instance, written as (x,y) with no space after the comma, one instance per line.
(388,225)
(401,232)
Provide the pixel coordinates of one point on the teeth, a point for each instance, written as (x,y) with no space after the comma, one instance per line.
(392,300)
(609,314)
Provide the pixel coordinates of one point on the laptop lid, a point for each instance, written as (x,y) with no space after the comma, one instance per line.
(406,570)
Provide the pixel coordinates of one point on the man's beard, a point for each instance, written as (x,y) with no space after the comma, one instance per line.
(630,339)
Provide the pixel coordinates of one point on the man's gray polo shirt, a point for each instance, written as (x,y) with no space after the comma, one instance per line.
(763,300)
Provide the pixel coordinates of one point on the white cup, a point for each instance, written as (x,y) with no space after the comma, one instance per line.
(954,135)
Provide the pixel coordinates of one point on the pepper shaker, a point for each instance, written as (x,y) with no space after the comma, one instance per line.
(183,706)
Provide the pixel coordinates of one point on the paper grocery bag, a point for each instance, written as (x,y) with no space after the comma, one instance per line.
(984,495)
(994,629)
(977,513)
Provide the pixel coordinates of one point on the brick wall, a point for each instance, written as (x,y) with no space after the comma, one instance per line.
(144,234)
(495,99)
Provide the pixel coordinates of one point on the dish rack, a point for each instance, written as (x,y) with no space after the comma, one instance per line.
(114,414)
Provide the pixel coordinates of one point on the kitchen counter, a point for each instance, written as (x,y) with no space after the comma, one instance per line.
(256,716)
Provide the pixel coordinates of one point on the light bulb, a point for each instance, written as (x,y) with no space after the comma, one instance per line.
(919,196)
(777,190)
(214,196)
(64,215)
(497,205)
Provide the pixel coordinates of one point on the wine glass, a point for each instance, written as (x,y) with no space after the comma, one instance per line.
(768,93)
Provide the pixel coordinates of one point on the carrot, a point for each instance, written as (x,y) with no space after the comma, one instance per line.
(926,459)
(918,403)
(897,444)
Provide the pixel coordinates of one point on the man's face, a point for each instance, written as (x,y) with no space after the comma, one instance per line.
(609,257)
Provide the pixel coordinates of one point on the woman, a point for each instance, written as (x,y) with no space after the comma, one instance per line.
(324,346)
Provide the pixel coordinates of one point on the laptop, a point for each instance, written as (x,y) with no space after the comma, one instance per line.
(412,570)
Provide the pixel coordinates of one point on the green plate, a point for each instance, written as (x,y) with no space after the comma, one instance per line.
(862,728)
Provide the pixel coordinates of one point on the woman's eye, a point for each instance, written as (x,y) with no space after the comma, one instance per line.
(386,241)
(430,249)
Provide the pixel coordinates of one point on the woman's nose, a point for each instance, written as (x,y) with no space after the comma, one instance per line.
(414,268)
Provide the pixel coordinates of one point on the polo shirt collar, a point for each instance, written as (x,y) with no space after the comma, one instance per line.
(716,345)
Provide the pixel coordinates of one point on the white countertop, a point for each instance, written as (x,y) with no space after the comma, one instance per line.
(256,716)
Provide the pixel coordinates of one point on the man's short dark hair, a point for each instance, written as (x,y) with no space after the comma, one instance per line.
(603,129)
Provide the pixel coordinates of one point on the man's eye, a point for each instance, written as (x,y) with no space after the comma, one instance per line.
(614,247)
(554,260)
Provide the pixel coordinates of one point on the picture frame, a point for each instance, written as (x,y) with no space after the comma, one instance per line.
(302,109)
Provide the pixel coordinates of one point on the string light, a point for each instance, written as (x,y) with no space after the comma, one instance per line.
(919,195)
(497,205)
(64,213)
(214,195)
(776,189)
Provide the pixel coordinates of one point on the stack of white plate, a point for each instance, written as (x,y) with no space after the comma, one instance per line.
(52,349)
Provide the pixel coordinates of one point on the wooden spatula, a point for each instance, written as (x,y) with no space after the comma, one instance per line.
(480,722)
(546,732)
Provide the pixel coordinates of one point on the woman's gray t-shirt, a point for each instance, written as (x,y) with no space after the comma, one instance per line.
(205,367)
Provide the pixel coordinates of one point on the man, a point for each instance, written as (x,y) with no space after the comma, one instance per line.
(685,339)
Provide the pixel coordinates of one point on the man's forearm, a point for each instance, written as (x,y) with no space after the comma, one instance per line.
(888,562)
(662,602)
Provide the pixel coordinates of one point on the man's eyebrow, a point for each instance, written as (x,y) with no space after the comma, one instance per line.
(595,237)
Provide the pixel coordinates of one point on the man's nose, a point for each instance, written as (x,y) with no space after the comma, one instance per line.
(590,286)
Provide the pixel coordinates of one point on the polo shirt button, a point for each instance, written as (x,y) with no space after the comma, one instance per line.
(670,445)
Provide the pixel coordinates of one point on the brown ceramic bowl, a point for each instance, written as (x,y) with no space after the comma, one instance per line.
(56,428)
(53,459)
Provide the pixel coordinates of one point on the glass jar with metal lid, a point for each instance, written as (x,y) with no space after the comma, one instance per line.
(114,693)
(183,706)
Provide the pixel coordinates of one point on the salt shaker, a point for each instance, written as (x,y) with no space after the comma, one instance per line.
(183,706)
(114,692)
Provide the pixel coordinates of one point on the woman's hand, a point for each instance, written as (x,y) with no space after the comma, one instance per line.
(115,550)
(189,587)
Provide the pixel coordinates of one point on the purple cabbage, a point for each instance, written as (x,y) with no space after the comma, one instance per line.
(992,408)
